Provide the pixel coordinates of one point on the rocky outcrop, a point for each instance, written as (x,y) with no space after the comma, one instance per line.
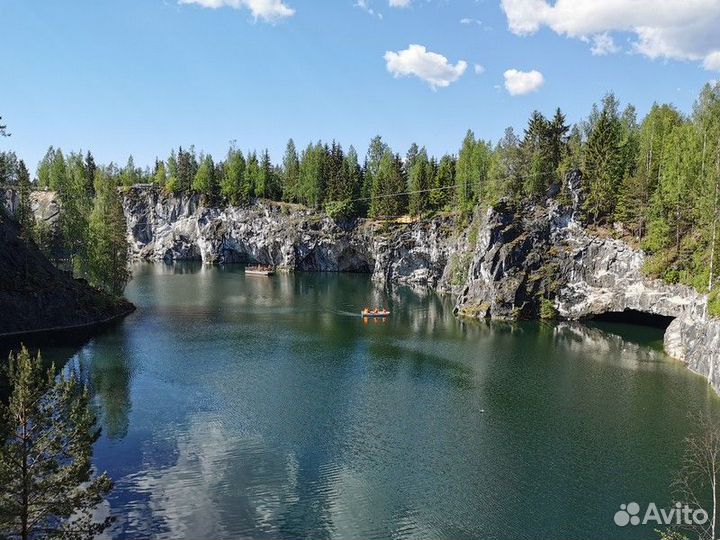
(45,205)
(509,263)
(541,257)
(37,297)
(174,228)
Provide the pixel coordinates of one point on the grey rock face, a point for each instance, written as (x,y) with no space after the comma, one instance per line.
(506,264)
(524,257)
(163,227)
(45,205)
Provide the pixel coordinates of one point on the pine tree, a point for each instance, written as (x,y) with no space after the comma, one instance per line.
(108,248)
(47,487)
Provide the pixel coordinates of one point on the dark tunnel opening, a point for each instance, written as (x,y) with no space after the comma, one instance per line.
(631,316)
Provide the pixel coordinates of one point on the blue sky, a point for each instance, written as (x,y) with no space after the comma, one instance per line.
(143,76)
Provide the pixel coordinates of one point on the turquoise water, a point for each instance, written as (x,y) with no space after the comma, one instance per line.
(238,406)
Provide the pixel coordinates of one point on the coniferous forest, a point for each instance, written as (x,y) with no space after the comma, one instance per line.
(655,181)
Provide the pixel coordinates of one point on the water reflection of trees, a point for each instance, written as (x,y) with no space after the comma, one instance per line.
(105,367)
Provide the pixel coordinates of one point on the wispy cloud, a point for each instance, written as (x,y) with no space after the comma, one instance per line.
(267,10)
(365,6)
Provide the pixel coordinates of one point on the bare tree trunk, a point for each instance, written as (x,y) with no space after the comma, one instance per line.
(25,496)
(714,497)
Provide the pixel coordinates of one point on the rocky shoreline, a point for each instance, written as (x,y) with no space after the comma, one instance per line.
(506,263)
(38,298)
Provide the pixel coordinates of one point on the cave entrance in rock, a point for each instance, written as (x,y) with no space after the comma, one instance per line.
(632,316)
(231,256)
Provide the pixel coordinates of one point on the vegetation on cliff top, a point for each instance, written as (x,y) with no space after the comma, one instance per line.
(657,180)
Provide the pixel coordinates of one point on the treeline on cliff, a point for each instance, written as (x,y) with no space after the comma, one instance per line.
(89,237)
(655,180)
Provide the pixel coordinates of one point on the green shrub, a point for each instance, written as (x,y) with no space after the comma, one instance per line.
(547,310)
(459,267)
(714,303)
(340,210)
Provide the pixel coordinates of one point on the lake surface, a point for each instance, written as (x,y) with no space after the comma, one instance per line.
(246,406)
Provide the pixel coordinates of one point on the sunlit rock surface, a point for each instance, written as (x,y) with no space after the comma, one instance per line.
(506,264)
(172,228)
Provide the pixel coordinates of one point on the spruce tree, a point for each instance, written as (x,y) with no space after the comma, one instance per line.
(25,216)
(604,165)
(172,185)
(443,180)
(464,171)
(419,182)
(129,175)
(8,168)
(47,484)
(43,170)
(250,179)
(160,176)
(268,184)
(291,173)
(90,169)
(313,174)
(388,186)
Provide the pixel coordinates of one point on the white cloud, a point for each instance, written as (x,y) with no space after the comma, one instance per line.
(400,3)
(479,69)
(712,61)
(267,10)
(431,67)
(519,83)
(672,29)
(603,44)
(363,4)
(468,20)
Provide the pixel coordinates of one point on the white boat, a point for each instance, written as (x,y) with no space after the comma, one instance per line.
(260,270)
